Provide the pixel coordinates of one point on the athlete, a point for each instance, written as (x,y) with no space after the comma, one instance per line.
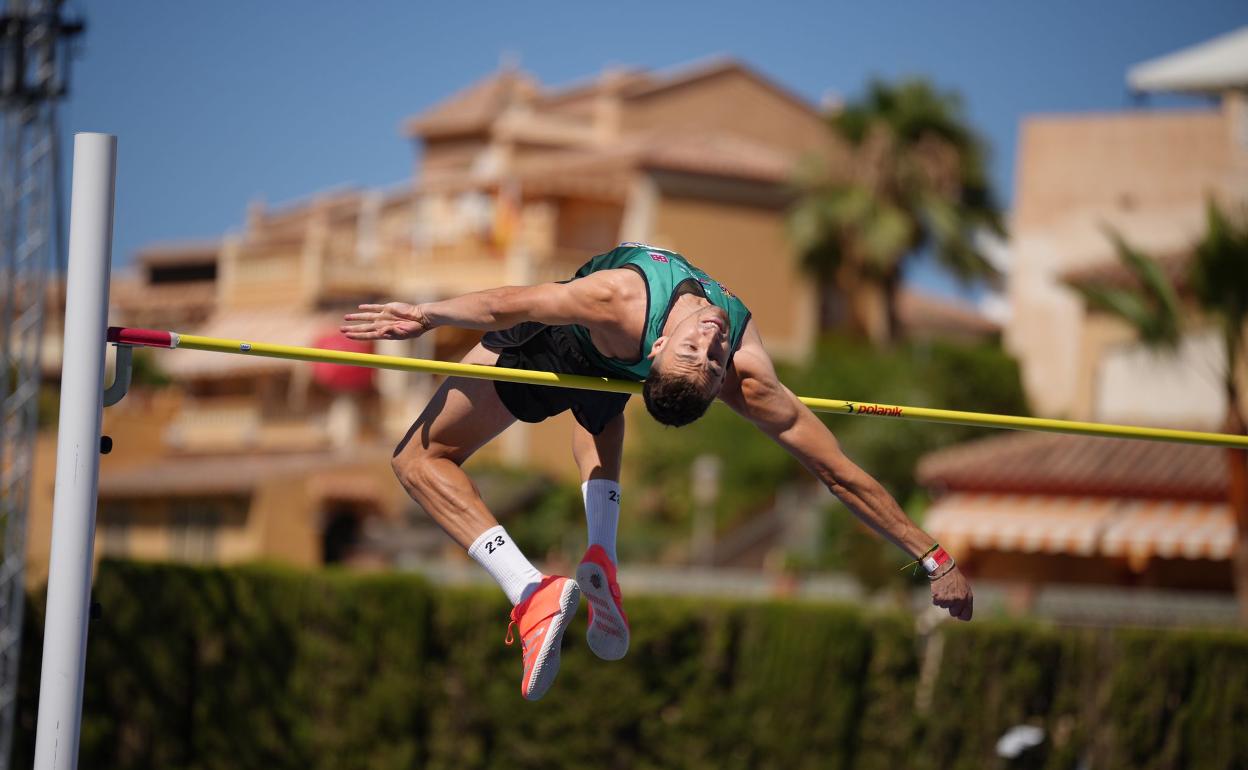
(639,313)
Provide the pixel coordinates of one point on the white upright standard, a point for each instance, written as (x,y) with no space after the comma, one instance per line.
(77,452)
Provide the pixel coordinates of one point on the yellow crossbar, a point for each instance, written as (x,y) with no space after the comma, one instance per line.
(830,405)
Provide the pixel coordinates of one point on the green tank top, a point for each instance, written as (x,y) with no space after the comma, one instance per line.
(665,273)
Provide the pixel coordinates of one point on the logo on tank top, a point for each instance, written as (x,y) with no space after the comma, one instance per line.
(722,287)
(640,245)
(657,257)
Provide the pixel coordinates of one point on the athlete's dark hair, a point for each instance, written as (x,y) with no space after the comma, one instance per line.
(675,400)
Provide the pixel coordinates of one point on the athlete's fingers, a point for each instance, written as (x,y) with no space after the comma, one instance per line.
(959,609)
(967,609)
(373,308)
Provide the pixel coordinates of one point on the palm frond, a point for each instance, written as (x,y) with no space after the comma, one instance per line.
(815,230)
(805,223)
(848,206)
(954,235)
(1219,273)
(1156,285)
(1151,308)
(887,232)
(1131,307)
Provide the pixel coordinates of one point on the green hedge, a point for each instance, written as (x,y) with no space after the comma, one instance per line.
(270,668)
(1129,699)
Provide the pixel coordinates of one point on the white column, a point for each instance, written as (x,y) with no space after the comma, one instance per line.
(640,212)
(77,452)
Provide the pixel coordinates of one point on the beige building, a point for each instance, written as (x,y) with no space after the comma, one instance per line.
(1146,174)
(256,458)
(1031,509)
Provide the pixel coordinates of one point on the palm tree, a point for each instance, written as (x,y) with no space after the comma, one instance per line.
(1218,280)
(915,178)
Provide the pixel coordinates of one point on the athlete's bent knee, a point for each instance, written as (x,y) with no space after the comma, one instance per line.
(411,468)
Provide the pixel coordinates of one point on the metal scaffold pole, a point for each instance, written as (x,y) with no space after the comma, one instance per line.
(33,59)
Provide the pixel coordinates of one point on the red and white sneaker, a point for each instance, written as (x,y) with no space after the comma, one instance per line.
(542,619)
(608,625)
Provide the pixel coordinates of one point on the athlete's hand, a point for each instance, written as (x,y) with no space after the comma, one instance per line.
(952,592)
(391,321)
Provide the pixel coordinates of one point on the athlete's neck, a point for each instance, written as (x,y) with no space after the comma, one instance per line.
(685,304)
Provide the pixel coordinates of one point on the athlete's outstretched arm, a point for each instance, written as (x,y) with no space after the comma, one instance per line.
(753,390)
(587,300)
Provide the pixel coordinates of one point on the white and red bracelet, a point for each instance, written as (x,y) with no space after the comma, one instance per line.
(937,562)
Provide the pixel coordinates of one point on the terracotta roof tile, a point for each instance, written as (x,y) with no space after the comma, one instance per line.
(926,313)
(635,83)
(1059,464)
(475,106)
(708,154)
(713,67)
(688,73)
(717,155)
(617,80)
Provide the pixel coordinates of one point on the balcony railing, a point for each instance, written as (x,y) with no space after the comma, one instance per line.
(237,424)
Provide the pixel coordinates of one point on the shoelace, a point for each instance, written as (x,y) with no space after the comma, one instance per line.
(510,639)
(518,610)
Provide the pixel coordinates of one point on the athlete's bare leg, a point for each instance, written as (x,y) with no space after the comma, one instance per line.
(599,457)
(461,418)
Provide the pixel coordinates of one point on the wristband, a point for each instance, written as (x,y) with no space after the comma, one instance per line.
(937,560)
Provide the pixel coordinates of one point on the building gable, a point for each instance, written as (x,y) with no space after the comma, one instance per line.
(727,96)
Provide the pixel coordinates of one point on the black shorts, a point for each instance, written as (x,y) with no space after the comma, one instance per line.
(540,348)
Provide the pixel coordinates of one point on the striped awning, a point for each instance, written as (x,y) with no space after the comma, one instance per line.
(1026,523)
(1171,529)
(1082,526)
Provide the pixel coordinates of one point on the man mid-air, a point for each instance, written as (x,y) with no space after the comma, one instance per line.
(639,313)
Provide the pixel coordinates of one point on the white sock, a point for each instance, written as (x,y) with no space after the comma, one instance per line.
(602,513)
(501,557)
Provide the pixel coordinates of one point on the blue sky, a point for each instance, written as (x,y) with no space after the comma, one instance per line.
(219,104)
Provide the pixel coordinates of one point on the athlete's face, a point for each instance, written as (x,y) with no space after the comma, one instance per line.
(696,348)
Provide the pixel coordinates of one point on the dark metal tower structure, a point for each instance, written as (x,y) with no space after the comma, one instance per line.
(34,75)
